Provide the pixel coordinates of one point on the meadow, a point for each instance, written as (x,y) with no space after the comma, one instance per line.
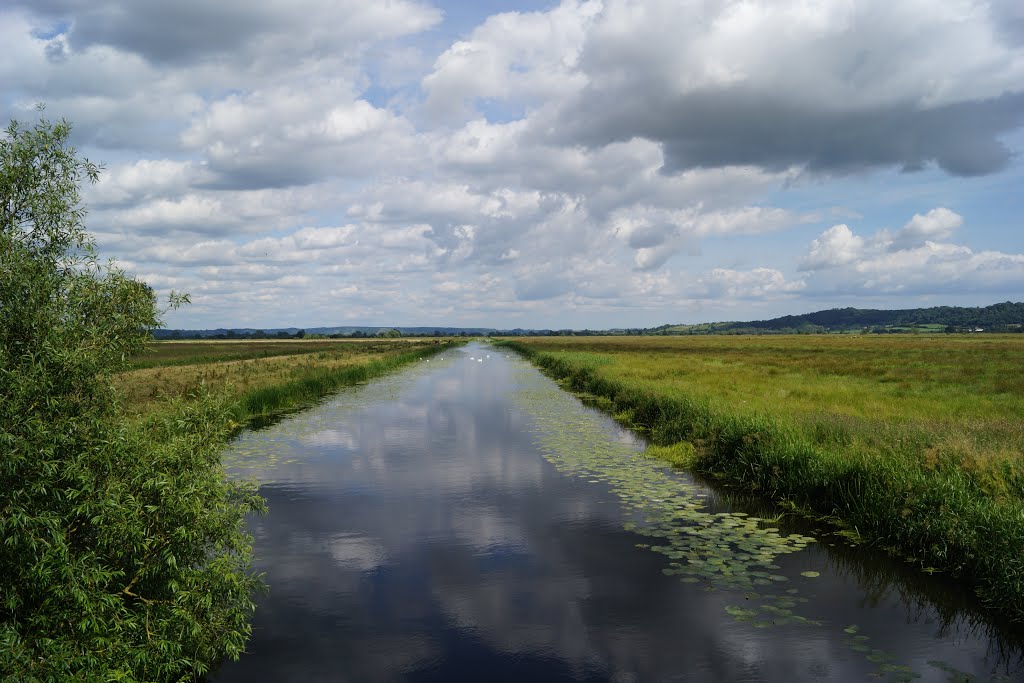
(260,378)
(910,442)
(200,351)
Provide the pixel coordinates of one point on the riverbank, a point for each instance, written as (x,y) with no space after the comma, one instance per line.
(911,445)
(260,380)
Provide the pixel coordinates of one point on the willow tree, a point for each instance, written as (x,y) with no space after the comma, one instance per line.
(123,554)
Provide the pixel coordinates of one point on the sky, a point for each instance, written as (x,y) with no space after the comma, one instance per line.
(583,164)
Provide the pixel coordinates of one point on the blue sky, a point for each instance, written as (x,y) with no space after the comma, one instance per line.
(511,164)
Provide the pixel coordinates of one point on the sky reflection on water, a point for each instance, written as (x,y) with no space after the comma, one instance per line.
(416,532)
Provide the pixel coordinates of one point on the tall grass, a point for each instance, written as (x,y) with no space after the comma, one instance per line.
(933,509)
(163,354)
(317,382)
(144,390)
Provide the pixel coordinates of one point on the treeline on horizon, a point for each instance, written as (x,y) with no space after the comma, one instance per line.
(997,318)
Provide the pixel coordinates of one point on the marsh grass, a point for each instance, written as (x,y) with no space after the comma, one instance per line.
(913,445)
(261,386)
(319,381)
(200,351)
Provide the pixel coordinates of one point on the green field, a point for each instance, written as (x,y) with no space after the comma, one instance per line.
(915,443)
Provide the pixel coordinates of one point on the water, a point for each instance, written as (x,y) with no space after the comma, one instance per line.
(466,520)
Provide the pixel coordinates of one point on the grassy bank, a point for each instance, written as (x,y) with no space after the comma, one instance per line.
(200,351)
(911,444)
(260,382)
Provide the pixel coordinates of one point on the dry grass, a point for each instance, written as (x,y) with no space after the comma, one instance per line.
(179,368)
(197,351)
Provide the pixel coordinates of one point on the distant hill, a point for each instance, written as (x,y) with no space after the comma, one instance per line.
(1004,317)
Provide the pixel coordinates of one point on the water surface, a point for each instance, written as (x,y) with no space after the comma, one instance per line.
(466,520)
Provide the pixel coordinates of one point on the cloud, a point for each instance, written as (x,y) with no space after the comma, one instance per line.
(836,87)
(914,261)
(144,179)
(937,224)
(522,58)
(185,32)
(615,163)
(837,246)
(544,287)
(287,136)
(658,234)
(756,283)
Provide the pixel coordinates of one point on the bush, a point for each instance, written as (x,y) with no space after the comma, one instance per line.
(123,554)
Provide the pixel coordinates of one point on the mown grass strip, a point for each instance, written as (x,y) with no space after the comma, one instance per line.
(940,517)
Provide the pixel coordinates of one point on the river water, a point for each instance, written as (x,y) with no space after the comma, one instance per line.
(467,520)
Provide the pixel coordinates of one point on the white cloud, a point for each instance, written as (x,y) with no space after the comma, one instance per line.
(843,262)
(837,246)
(837,86)
(522,58)
(756,283)
(144,179)
(937,224)
(658,234)
(595,164)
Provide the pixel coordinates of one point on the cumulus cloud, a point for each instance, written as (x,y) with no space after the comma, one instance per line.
(937,224)
(837,246)
(658,234)
(914,261)
(756,283)
(522,58)
(609,163)
(295,136)
(835,87)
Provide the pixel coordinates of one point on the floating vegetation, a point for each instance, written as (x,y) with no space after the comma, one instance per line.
(723,550)
(955,675)
(886,668)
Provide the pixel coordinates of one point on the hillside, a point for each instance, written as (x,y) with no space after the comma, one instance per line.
(1004,317)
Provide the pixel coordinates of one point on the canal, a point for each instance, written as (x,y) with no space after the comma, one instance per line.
(467,520)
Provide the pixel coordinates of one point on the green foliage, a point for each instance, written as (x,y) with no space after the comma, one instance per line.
(123,553)
(681,454)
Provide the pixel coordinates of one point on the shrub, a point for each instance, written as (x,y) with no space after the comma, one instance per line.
(123,552)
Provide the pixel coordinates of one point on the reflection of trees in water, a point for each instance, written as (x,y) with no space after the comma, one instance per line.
(956,612)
